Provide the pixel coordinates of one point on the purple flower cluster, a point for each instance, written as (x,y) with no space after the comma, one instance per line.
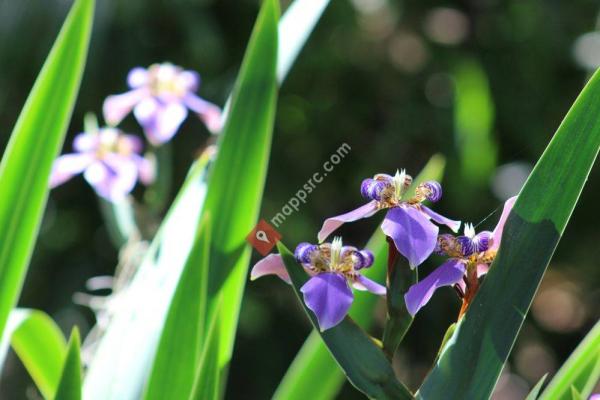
(111,160)
(411,225)
(333,269)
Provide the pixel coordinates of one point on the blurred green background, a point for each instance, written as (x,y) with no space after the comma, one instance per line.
(484,82)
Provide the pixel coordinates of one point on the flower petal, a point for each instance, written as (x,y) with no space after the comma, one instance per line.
(440,219)
(413,233)
(146,169)
(364,283)
(482,269)
(68,165)
(160,120)
(497,234)
(116,107)
(270,265)
(449,273)
(113,178)
(209,113)
(85,142)
(329,297)
(331,224)
(138,77)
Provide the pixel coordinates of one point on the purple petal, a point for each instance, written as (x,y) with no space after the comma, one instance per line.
(449,273)
(146,169)
(138,77)
(160,120)
(329,297)
(454,225)
(190,79)
(270,265)
(209,113)
(113,178)
(68,165)
(497,234)
(414,235)
(85,142)
(331,224)
(116,107)
(364,283)
(134,143)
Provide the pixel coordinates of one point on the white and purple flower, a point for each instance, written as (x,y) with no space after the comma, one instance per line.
(333,268)
(160,97)
(110,160)
(470,256)
(408,221)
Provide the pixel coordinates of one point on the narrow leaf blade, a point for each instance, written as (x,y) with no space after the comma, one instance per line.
(69,386)
(472,360)
(34,144)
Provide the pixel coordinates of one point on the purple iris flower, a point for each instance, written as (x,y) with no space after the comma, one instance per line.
(332,268)
(470,255)
(110,161)
(408,221)
(160,97)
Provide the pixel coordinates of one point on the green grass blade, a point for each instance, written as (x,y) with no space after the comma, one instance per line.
(314,363)
(295,27)
(535,392)
(35,142)
(69,386)
(207,383)
(581,370)
(473,358)
(235,189)
(363,362)
(474,122)
(177,356)
(39,344)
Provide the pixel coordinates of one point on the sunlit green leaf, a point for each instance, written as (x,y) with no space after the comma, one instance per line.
(473,358)
(69,385)
(533,395)
(35,142)
(581,371)
(40,345)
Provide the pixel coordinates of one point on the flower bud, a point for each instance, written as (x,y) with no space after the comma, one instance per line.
(304,251)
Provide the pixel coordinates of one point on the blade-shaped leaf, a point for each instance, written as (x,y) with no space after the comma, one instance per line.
(473,358)
(177,356)
(237,180)
(314,363)
(135,325)
(533,395)
(40,345)
(581,370)
(69,386)
(363,362)
(34,144)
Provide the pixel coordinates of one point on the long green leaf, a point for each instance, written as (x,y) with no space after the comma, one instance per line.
(581,370)
(473,358)
(235,189)
(69,386)
(177,356)
(533,395)
(363,362)
(40,345)
(34,144)
(314,363)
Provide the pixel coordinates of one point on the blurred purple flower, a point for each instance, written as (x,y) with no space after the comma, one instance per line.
(470,256)
(408,222)
(331,267)
(160,97)
(110,161)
